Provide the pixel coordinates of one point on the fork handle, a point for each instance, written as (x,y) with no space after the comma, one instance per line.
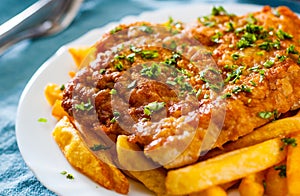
(27,24)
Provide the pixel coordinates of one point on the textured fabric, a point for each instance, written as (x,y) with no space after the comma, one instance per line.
(21,61)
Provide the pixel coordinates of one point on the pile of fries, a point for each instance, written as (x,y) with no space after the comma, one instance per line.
(264,162)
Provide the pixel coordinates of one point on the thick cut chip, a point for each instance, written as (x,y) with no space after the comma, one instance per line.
(79,156)
(278,128)
(292,167)
(153,178)
(275,181)
(252,185)
(225,168)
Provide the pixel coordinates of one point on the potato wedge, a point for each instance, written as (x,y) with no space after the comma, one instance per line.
(57,110)
(153,179)
(81,158)
(252,185)
(52,93)
(225,168)
(275,184)
(272,130)
(79,54)
(292,167)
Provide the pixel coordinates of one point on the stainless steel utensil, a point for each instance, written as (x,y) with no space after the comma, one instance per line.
(45,17)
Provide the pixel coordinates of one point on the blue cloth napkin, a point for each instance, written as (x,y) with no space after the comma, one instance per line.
(21,61)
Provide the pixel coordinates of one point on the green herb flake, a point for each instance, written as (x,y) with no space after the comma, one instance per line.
(265,114)
(113,91)
(84,106)
(134,49)
(230,27)
(130,57)
(152,72)
(282,170)
(146,29)
(269,63)
(291,50)
(42,120)
(217,37)
(281,58)
(102,71)
(62,87)
(283,35)
(216,11)
(153,107)
(119,66)
(70,176)
(235,56)
(288,141)
(97,147)
(253,83)
(173,83)
(149,54)
(117,29)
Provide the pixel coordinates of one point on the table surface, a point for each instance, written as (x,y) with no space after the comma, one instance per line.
(20,62)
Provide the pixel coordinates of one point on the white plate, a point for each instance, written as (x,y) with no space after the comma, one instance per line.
(34,138)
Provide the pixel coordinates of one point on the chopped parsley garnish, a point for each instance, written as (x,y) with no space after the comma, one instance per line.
(282,170)
(269,63)
(216,11)
(281,58)
(62,87)
(113,91)
(253,83)
(217,37)
(235,56)
(292,50)
(153,107)
(152,72)
(247,40)
(146,29)
(265,114)
(119,66)
(283,35)
(242,88)
(288,141)
(130,57)
(42,120)
(234,75)
(102,71)
(97,147)
(68,175)
(230,27)
(269,45)
(84,106)
(117,29)
(171,82)
(173,59)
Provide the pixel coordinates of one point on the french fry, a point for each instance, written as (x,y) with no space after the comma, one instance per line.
(81,158)
(57,110)
(252,185)
(211,191)
(225,168)
(293,169)
(275,184)
(52,93)
(278,128)
(153,179)
(79,54)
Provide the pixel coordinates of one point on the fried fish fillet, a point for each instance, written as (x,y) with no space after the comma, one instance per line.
(179,90)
